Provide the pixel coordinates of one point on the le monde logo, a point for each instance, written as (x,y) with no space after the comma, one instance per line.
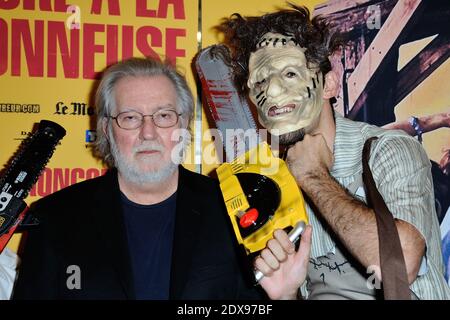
(74,109)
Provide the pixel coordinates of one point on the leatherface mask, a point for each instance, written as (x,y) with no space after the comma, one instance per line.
(287,94)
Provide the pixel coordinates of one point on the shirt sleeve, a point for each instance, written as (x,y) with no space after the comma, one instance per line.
(402,173)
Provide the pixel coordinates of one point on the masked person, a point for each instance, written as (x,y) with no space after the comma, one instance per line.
(147,229)
(281,60)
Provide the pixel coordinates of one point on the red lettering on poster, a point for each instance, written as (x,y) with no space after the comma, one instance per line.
(45,5)
(44,184)
(77,173)
(90,48)
(112,42)
(127,42)
(57,37)
(155,41)
(22,39)
(113,7)
(94,173)
(52,180)
(21,33)
(60,179)
(172,52)
(178,9)
(9,4)
(3,46)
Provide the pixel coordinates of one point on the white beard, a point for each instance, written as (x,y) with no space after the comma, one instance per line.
(131,172)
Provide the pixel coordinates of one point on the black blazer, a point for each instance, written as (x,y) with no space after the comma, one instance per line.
(82,225)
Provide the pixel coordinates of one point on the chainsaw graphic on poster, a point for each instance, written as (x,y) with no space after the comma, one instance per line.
(22,173)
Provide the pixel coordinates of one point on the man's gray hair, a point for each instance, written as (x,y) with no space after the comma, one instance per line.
(135,67)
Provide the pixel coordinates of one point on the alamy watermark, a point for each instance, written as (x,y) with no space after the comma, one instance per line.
(218,148)
(373,14)
(373,281)
(73,281)
(74,20)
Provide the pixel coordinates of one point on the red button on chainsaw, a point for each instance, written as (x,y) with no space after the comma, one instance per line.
(249,218)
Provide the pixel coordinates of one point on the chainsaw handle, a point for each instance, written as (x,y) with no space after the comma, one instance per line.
(294,235)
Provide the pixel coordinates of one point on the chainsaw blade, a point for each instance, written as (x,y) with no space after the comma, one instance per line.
(230,111)
(24,170)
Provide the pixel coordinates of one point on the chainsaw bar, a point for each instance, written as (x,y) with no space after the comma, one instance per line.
(23,172)
(230,112)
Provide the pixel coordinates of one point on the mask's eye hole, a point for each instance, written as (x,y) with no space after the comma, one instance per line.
(260,83)
(290,74)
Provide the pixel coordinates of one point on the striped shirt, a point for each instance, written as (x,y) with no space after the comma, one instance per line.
(401,170)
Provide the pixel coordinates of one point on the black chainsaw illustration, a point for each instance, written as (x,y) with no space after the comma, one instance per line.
(22,173)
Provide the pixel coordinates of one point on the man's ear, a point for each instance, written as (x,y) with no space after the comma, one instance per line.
(332,85)
(105,128)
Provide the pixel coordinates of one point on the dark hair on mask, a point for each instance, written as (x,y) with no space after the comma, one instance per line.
(242,35)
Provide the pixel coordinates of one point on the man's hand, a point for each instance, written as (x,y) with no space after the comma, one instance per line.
(309,156)
(284,269)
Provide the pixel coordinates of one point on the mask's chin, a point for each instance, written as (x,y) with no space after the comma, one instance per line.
(294,136)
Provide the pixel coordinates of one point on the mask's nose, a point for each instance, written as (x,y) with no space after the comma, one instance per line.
(275,87)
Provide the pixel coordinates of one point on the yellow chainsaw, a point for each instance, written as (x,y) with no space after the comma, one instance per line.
(259,192)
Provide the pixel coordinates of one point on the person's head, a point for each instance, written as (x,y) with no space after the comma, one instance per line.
(281,60)
(141,147)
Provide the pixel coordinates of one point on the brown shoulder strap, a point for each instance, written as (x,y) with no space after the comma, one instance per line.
(393,268)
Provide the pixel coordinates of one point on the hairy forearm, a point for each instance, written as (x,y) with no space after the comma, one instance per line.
(355,223)
(350,219)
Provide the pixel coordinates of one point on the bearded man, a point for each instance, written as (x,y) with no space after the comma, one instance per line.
(281,60)
(147,229)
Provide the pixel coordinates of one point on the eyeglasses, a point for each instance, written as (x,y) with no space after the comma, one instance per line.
(130,120)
